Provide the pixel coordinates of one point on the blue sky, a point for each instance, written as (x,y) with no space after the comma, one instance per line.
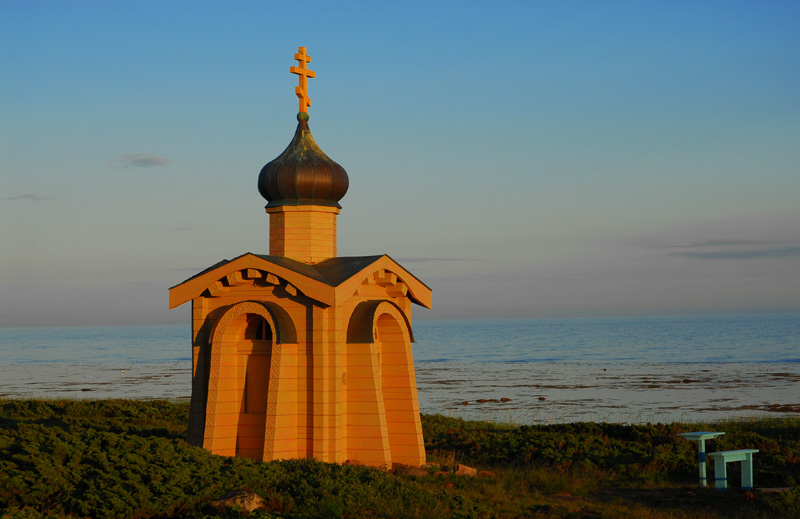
(524,159)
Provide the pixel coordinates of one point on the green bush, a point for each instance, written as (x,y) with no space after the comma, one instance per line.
(117,458)
(129,459)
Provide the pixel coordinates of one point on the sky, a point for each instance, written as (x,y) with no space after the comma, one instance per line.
(523,159)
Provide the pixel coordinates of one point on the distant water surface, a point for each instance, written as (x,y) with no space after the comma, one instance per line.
(547,370)
(696,339)
(96,344)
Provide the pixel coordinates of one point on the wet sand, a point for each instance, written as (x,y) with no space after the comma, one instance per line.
(564,392)
(519,393)
(170,380)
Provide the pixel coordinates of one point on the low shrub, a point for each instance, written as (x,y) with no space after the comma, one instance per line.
(129,459)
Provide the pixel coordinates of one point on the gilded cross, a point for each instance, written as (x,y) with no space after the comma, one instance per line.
(303,73)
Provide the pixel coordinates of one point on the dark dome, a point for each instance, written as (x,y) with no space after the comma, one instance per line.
(303,174)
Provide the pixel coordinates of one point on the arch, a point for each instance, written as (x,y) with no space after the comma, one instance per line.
(361,327)
(241,377)
(399,385)
(281,325)
(382,328)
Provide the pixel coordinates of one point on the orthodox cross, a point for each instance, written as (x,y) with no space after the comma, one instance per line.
(303,73)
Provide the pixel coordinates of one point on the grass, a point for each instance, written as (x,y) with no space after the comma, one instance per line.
(128,459)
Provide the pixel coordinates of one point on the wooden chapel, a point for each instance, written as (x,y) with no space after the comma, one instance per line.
(301,353)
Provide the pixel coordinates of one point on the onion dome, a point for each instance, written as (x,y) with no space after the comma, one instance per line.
(303,174)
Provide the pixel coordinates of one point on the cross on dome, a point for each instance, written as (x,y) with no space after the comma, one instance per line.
(303,73)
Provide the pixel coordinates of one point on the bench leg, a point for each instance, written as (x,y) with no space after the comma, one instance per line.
(701,444)
(747,472)
(720,473)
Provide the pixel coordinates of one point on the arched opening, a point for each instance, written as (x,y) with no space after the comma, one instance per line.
(399,390)
(383,414)
(242,349)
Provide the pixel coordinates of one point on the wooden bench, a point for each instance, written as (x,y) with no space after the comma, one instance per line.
(721,459)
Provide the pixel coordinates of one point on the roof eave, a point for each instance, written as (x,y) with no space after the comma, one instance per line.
(195,286)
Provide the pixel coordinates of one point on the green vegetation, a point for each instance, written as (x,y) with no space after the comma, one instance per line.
(128,459)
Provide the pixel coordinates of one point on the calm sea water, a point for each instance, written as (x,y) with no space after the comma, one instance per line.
(767,338)
(772,338)
(611,369)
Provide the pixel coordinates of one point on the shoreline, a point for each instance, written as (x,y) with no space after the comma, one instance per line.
(513,393)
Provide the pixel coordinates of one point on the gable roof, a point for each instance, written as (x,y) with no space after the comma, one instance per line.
(328,281)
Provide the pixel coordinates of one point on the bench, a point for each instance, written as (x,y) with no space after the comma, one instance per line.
(721,459)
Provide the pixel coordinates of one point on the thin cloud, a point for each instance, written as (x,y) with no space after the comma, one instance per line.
(30,196)
(738,249)
(728,243)
(139,160)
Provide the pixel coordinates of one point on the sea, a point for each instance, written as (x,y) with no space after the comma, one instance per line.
(697,368)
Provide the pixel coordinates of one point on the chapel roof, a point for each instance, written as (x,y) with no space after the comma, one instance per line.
(329,281)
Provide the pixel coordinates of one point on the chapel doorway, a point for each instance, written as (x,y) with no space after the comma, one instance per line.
(254,356)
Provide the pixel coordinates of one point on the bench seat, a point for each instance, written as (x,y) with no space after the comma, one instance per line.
(722,458)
